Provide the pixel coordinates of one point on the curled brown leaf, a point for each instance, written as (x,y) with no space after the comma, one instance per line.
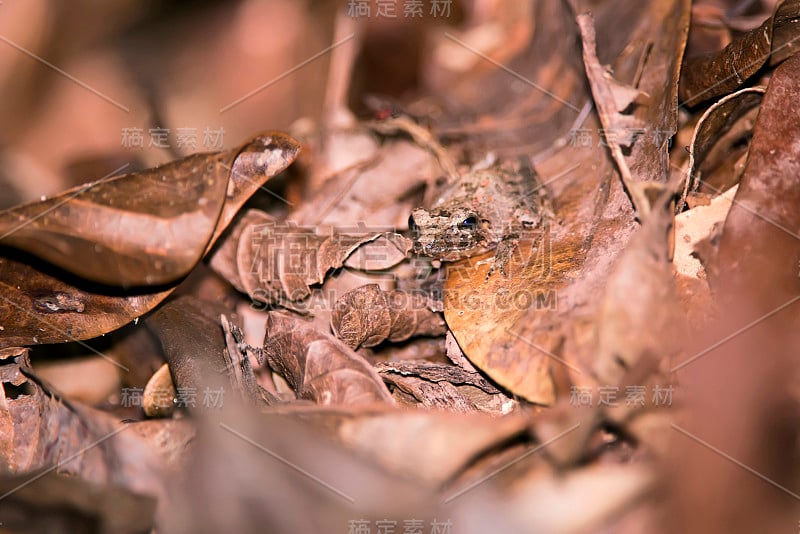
(41,304)
(274,261)
(706,77)
(714,124)
(367,316)
(151,227)
(318,366)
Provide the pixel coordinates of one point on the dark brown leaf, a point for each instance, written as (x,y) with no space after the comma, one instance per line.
(48,431)
(318,366)
(39,305)
(49,502)
(146,228)
(645,131)
(761,230)
(151,227)
(776,39)
(711,129)
(497,109)
(194,345)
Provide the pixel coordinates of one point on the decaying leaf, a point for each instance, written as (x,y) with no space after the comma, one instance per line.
(482,316)
(197,373)
(42,430)
(491,108)
(432,446)
(540,401)
(775,40)
(126,224)
(379,254)
(367,316)
(717,121)
(318,366)
(41,305)
(718,148)
(761,227)
(435,372)
(695,231)
(443,386)
(47,501)
(274,262)
(259,450)
(638,309)
(361,180)
(148,228)
(528,333)
(750,346)
(418,392)
(37,307)
(646,130)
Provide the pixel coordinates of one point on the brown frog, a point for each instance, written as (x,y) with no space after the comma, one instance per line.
(486,208)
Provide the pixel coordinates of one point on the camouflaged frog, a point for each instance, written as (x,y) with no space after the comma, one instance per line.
(486,208)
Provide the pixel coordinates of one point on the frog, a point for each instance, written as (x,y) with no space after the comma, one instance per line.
(490,207)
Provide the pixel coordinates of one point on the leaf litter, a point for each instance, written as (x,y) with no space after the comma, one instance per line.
(302,358)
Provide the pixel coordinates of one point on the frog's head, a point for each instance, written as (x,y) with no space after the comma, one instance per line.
(447,234)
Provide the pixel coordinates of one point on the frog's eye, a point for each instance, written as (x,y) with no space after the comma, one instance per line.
(412,225)
(469,223)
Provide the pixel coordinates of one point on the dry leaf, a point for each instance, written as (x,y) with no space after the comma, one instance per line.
(637,315)
(318,366)
(712,127)
(39,305)
(761,228)
(151,227)
(775,40)
(646,130)
(194,346)
(450,440)
(750,348)
(443,386)
(49,501)
(275,262)
(43,430)
(367,316)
